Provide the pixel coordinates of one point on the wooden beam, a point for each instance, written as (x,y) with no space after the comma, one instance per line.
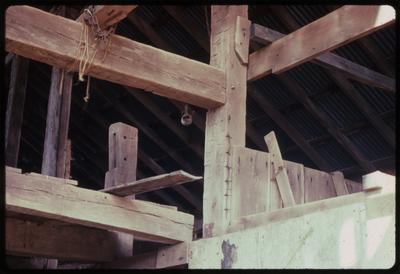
(163,257)
(339,183)
(331,61)
(279,171)
(177,77)
(30,195)
(292,132)
(335,29)
(108,15)
(226,125)
(15,109)
(57,123)
(152,183)
(58,240)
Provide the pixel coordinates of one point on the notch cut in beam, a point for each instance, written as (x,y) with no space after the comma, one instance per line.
(152,183)
(108,15)
(57,201)
(265,36)
(327,33)
(36,34)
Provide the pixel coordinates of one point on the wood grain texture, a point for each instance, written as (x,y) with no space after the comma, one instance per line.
(318,185)
(339,183)
(108,15)
(152,183)
(33,196)
(337,28)
(226,125)
(127,62)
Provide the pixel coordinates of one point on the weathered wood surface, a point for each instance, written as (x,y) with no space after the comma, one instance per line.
(339,183)
(226,125)
(337,28)
(265,36)
(57,123)
(163,257)
(15,108)
(33,196)
(152,183)
(352,186)
(318,185)
(279,171)
(53,239)
(108,15)
(35,34)
(250,182)
(53,179)
(351,231)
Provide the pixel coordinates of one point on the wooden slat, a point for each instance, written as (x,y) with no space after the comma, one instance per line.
(127,62)
(163,257)
(339,184)
(335,29)
(33,196)
(295,173)
(279,170)
(152,183)
(226,125)
(331,61)
(53,239)
(15,109)
(108,15)
(318,185)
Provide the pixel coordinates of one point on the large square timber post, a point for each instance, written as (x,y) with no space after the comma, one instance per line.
(225,125)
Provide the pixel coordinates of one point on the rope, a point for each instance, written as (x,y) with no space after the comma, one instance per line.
(83,54)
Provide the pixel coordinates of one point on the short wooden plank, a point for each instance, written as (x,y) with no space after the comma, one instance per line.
(152,183)
(337,28)
(58,240)
(35,34)
(352,186)
(318,185)
(33,196)
(279,170)
(163,257)
(108,15)
(339,184)
(265,36)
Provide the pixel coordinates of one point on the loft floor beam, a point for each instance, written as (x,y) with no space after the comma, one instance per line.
(63,202)
(331,61)
(35,34)
(335,29)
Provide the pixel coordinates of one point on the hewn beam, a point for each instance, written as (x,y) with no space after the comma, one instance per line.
(30,195)
(36,34)
(335,29)
(15,109)
(331,61)
(226,125)
(54,239)
(108,15)
(152,183)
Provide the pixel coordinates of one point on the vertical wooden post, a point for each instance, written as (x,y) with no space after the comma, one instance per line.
(15,108)
(226,125)
(122,163)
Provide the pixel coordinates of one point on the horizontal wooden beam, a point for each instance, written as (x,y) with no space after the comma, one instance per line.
(58,201)
(327,33)
(36,34)
(108,15)
(152,183)
(163,257)
(265,36)
(59,240)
